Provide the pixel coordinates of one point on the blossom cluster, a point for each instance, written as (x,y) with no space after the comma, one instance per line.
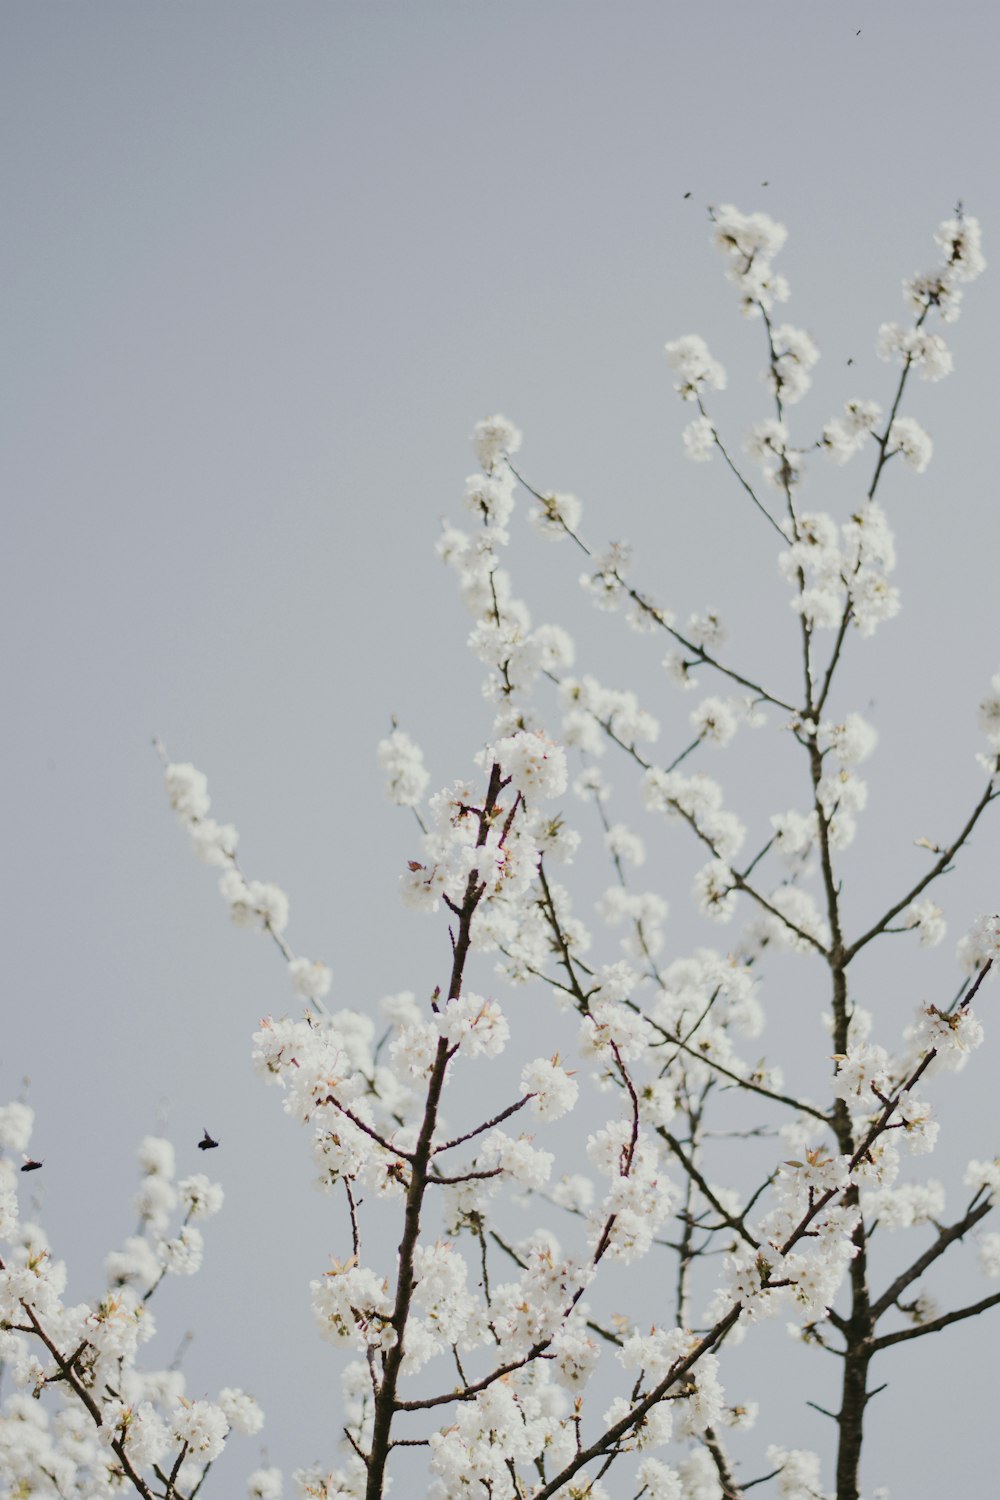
(105,1419)
(612,1141)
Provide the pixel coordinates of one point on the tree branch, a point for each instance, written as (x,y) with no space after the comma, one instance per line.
(936,1324)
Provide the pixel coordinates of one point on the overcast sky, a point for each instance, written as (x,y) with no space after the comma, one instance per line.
(264,267)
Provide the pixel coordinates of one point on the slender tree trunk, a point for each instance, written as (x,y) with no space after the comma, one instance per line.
(385,1401)
(858,1332)
(851,1418)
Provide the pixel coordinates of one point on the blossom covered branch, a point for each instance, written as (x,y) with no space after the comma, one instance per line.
(497,1362)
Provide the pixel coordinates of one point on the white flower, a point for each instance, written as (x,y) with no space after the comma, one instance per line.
(557,515)
(699,1477)
(689,356)
(310,978)
(199,1197)
(714,720)
(795,355)
(699,439)
(903,1207)
(138,1427)
(591,785)
(265,1484)
(202,1427)
(494,438)
(707,630)
(799,1476)
(555,647)
(984,1174)
(920,1129)
(931,355)
(352,1304)
(187,790)
(868,538)
(403,763)
(961,240)
(981,945)
(255,901)
(16,1122)
(839,442)
(241,1411)
(535,765)
(610,1025)
(799,910)
(927,352)
(478,1026)
(953,1034)
(271,905)
(402,1009)
(553,1091)
(845,436)
(625,845)
(907,437)
(794,832)
(851,742)
(746,236)
(989,1254)
(8,1214)
(678,671)
(182,1256)
(989,714)
(749,242)
(156,1201)
(715,891)
(518,1158)
(574,1192)
(863,1078)
(137,1263)
(214,843)
(873,600)
(928,919)
(156,1157)
(657,1481)
(453,546)
(491,496)
(767,441)
(822,606)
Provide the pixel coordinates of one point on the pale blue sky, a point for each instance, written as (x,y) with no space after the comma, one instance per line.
(264,267)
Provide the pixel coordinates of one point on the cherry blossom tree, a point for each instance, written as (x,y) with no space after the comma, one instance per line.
(483,1359)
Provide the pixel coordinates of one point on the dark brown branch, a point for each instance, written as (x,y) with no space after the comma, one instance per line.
(367,1129)
(440,1180)
(706,1191)
(742,479)
(938,868)
(743,1083)
(727,1482)
(762,1479)
(487,1125)
(69,1375)
(469,1392)
(621,1428)
(936,1324)
(172,1480)
(946,1237)
(386,1404)
(701,656)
